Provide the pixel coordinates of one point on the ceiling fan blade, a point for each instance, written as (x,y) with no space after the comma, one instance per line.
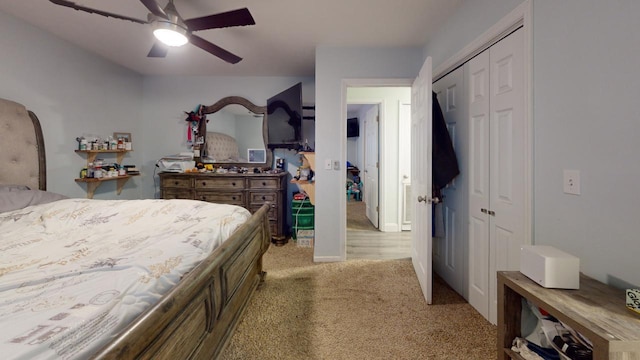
(154,8)
(214,49)
(75,6)
(240,17)
(158,50)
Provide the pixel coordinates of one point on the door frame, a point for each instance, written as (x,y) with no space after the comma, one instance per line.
(521,16)
(369,82)
(380,104)
(402,205)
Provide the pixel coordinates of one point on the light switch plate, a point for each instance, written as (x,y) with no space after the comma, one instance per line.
(327,164)
(571,182)
(336,165)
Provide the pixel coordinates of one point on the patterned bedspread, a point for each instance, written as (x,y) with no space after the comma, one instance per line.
(74,272)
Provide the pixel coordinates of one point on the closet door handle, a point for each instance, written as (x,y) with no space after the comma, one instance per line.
(428,200)
(489,212)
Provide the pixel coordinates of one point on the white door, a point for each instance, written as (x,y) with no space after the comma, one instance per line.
(371,164)
(421,242)
(449,251)
(404,166)
(496,171)
(507,160)
(477,72)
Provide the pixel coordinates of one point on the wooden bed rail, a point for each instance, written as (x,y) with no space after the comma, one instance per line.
(196,319)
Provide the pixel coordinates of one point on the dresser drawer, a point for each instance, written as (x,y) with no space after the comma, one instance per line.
(264,184)
(261,197)
(250,191)
(224,183)
(176,182)
(232,198)
(176,193)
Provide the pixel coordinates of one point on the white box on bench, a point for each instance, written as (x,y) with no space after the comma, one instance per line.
(550,267)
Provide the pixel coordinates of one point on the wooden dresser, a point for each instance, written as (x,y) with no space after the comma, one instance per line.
(247,190)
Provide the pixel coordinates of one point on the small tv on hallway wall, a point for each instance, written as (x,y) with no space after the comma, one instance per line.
(353,127)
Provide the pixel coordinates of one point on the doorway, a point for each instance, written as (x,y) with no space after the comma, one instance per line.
(376,219)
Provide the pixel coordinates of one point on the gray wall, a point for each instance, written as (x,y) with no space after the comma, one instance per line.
(167,97)
(333,64)
(585,96)
(586,91)
(75,92)
(72,92)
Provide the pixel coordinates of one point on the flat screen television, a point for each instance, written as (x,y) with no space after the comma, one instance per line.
(284,118)
(353,128)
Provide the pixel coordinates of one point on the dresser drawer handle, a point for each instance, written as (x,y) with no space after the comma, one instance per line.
(176,182)
(233,198)
(204,183)
(264,198)
(233,184)
(264,183)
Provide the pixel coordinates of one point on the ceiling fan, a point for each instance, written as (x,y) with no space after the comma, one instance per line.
(171,30)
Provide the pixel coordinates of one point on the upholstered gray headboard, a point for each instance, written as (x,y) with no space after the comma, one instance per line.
(22,157)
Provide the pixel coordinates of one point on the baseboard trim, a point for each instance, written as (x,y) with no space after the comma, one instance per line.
(327,259)
(391,228)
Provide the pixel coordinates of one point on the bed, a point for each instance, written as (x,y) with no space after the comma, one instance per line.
(189,312)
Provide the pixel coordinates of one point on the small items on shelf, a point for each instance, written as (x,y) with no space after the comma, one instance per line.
(304,177)
(98,171)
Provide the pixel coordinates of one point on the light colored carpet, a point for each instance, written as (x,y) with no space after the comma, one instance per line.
(359,309)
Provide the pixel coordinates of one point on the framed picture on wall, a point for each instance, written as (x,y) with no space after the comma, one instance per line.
(256,155)
(126,137)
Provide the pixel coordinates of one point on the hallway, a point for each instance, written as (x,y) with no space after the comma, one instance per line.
(365,242)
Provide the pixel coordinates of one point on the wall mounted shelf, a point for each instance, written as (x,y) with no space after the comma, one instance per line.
(94,183)
(308,161)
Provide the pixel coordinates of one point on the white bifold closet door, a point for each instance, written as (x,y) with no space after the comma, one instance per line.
(450,249)
(495,84)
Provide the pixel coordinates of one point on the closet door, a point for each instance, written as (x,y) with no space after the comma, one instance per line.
(506,205)
(496,169)
(449,250)
(477,80)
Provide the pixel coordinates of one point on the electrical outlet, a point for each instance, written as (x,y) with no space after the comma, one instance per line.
(336,165)
(571,183)
(327,164)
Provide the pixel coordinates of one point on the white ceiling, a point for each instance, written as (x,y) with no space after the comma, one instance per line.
(282,43)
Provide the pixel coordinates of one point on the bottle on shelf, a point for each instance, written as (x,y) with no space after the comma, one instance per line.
(196,153)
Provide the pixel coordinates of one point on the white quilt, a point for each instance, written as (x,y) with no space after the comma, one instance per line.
(74,272)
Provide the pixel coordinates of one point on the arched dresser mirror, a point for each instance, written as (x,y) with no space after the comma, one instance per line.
(236,137)
(237,134)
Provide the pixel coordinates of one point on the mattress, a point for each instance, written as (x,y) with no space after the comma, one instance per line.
(75,272)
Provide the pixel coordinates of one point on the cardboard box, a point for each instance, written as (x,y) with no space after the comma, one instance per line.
(550,267)
(304,238)
(633,300)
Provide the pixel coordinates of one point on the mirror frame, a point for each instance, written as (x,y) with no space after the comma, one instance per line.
(262,110)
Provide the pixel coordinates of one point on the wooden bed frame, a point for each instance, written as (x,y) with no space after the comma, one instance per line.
(196,319)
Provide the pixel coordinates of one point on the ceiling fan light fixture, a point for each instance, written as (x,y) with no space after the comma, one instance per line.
(170,34)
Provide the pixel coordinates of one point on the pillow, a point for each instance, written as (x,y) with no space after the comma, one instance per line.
(4,188)
(19,198)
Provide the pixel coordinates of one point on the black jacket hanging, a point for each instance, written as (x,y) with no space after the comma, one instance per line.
(444,162)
